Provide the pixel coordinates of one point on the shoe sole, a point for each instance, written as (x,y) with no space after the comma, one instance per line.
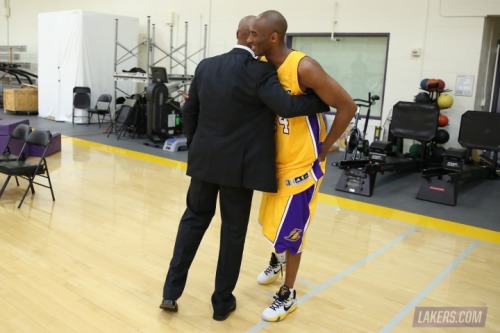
(283,316)
(169,308)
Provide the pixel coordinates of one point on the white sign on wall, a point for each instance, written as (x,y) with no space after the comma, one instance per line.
(464,85)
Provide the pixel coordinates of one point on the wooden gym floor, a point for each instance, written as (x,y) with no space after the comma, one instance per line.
(95,259)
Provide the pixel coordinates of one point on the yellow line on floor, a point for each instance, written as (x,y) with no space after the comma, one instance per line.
(416,219)
(131,153)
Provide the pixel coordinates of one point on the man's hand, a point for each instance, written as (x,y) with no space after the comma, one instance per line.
(325,148)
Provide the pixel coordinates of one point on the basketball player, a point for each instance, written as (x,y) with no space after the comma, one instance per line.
(301,148)
(228,122)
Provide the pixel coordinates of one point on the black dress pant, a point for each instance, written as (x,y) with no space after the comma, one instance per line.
(235,204)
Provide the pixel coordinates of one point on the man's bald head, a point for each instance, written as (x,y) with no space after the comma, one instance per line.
(275,21)
(244,29)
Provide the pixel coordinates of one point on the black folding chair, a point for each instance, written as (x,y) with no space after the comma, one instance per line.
(124,118)
(20,133)
(101,109)
(32,167)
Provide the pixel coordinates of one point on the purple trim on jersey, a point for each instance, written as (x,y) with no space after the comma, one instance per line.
(315,127)
(294,222)
(316,170)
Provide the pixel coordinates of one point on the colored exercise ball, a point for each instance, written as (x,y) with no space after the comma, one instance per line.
(423,84)
(415,150)
(441,85)
(442,120)
(432,85)
(423,98)
(445,101)
(442,136)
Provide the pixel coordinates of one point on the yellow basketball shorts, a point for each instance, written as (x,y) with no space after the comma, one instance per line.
(285,219)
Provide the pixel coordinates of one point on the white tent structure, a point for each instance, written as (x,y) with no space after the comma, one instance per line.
(77,48)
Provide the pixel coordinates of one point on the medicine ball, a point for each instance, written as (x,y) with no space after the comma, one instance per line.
(438,152)
(423,84)
(432,85)
(441,85)
(445,101)
(415,150)
(442,136)
(442,120)
(423,98)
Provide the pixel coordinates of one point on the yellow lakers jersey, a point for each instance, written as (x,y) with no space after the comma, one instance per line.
(297,139)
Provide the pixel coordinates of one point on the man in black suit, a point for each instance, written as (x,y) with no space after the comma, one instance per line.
(228,120)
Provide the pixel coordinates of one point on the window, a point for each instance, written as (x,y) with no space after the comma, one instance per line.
(357,61)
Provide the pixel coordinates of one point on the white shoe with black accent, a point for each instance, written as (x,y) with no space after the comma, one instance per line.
(285,302)
(271,273)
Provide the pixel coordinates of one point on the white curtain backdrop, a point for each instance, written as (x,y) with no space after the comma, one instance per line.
(77,48)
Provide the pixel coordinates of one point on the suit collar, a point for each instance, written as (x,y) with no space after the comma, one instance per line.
(243,49)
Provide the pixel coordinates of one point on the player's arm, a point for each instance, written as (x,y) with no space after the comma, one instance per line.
(313,76)
(272,94)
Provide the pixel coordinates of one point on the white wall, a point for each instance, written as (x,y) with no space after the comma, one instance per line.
(448,32)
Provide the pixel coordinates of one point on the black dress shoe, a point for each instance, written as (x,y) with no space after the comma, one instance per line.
(223,316)
(169,305)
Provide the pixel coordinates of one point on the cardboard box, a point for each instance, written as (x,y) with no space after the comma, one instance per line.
(20,100)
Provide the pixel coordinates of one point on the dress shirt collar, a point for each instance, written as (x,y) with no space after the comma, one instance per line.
(245,48)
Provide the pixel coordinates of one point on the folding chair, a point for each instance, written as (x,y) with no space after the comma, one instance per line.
(101,109)
(124,117)
(81,100)
(20,133)
(32,167)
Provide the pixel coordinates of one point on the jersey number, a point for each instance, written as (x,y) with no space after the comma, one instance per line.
(285,124)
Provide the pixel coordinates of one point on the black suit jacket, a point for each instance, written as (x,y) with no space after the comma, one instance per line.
(229,120)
